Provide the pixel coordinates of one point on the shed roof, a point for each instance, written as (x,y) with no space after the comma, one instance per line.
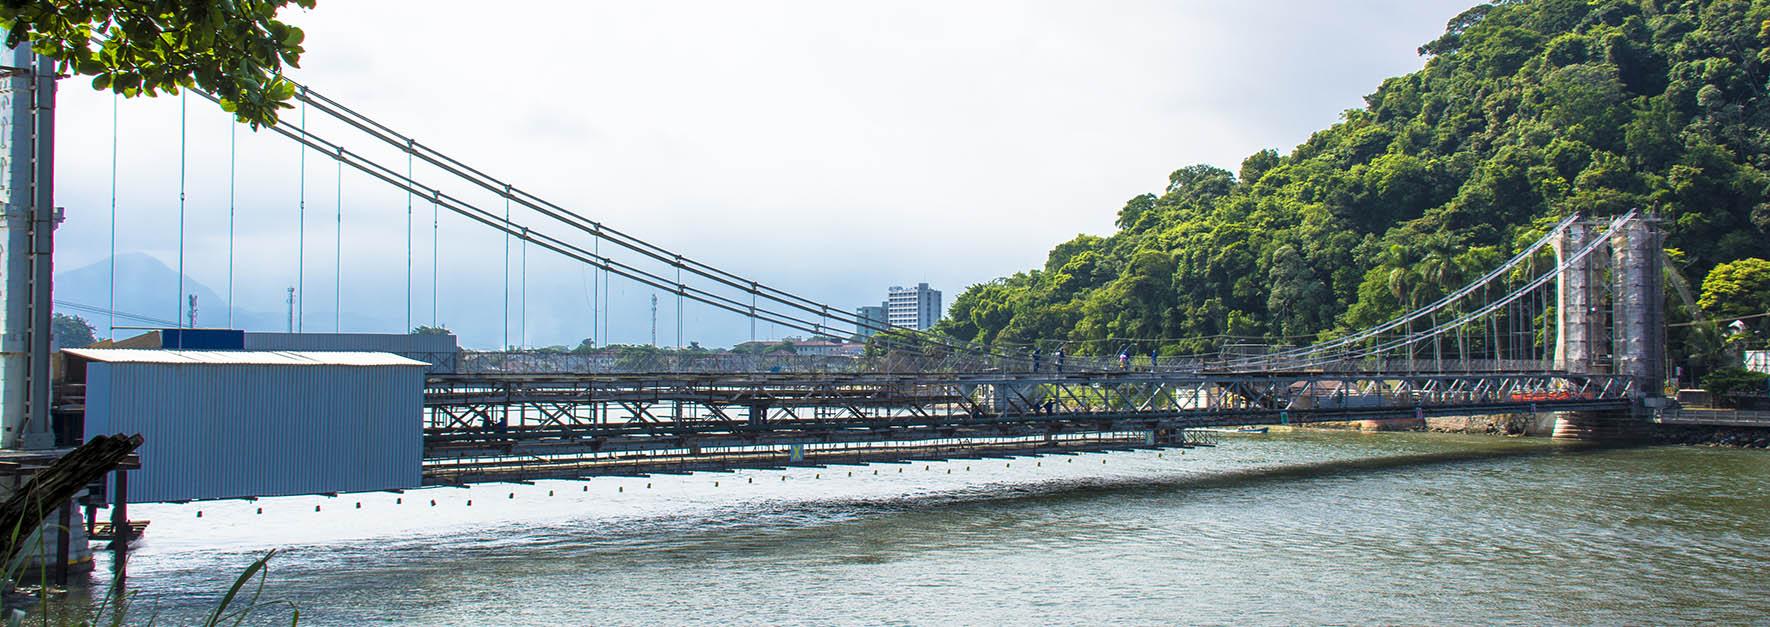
(242,358)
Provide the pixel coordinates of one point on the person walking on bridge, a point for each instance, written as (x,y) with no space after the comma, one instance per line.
(1035,360)
(1125,359)
(1059,361)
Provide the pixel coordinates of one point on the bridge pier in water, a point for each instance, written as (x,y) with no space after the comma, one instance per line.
(1635,316)
(1603,427)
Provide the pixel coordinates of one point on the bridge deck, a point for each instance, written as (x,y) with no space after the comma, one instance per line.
(532,426)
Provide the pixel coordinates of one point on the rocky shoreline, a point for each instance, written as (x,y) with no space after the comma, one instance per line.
(1543,425)
(1723,437)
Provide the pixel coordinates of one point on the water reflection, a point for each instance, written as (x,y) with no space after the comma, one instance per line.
(1301,527)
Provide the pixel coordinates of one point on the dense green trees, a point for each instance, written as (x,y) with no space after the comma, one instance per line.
(67,331)
(1525,112)
(1737,289)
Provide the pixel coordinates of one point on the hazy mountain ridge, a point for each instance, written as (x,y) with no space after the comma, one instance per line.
(147,287)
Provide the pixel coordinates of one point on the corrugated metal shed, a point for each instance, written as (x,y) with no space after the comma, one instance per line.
(223,424)
(437,350)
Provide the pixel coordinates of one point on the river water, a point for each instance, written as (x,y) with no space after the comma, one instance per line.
(1304,527)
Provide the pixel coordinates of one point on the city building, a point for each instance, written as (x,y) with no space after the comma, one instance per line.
(828,348)
(871,320)
(913,307)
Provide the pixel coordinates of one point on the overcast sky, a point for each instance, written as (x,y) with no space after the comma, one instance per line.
(831,148)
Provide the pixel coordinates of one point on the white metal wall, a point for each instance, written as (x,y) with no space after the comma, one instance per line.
(234,430)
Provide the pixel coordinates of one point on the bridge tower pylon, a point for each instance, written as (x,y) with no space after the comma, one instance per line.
(1580,344)
(1611,320)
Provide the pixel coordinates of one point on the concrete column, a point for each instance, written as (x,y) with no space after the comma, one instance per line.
(57,544)
(1615,427)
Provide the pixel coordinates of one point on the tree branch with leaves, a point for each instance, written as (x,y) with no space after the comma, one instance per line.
(235,49)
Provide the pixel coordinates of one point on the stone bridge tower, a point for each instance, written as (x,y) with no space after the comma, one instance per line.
(1611,315)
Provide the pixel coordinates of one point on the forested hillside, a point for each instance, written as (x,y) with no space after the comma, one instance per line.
(1525,111)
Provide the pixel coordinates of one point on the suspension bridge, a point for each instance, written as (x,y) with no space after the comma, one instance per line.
(1572,324)
(1520,339)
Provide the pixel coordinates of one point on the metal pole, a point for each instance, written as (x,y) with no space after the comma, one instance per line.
(435,228)
(181,177)
(506,268)
(679,343)
(43,220)
(338,254)
(607,306)
(232,163)
(112,297)
(301,228)
(523,336)
(120,532)
(408,328)
(596,296)
(63,537)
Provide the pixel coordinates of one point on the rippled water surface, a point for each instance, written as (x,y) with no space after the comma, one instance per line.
(1312,527)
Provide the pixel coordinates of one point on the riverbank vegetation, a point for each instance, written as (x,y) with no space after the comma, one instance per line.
(1525,111)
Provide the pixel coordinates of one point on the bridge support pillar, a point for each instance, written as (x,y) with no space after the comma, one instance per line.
(1614,427)
(1578,294)
(57,547)
(1637,345)
(1640,305)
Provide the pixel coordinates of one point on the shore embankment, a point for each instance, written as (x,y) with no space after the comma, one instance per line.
(1500,424)
(1543,425)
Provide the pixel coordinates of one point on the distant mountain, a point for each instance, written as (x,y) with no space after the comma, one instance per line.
(148,288)
(145,287)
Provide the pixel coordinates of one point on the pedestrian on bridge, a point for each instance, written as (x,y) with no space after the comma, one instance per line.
(1059,361)
(1035,360)
(1125,359)
(1152,355)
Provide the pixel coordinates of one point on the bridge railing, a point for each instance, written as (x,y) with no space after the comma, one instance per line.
(539,362)
(639,362)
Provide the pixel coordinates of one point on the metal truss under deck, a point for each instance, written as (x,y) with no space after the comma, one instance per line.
(480,427)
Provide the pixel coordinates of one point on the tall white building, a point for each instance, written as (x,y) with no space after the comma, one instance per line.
(913,307)
(871,320)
